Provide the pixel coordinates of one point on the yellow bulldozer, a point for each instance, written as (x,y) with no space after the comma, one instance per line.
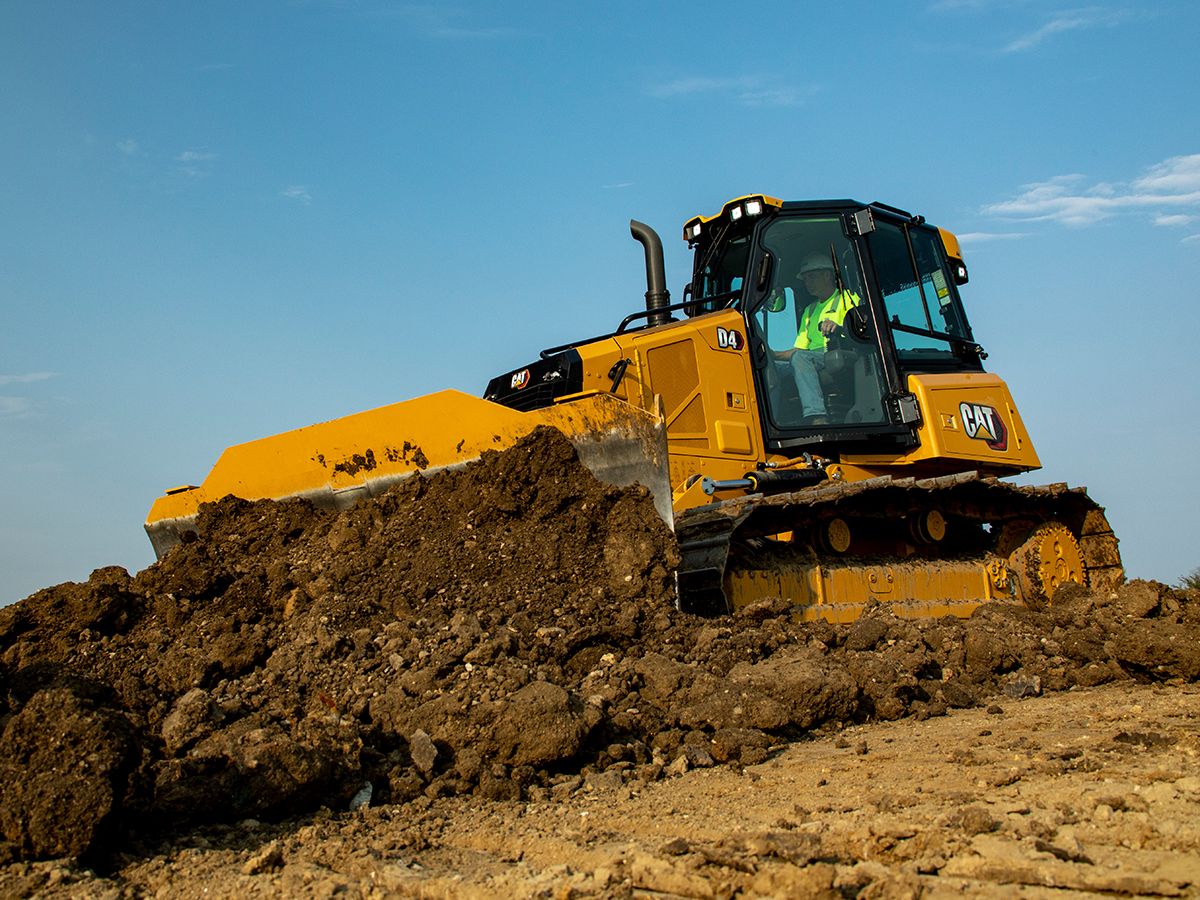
(813,419)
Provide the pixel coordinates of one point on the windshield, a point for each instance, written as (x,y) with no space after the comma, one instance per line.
(720,273)
(923,309)
(818,358)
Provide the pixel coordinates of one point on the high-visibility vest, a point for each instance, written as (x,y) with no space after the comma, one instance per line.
(834,309)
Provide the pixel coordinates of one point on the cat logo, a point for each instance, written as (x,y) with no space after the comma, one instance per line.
(520,379)
(984,424)
(728,339)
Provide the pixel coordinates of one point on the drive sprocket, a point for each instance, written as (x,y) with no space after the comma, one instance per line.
(1048,559)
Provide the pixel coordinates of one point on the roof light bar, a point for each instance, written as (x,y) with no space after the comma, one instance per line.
(745,206)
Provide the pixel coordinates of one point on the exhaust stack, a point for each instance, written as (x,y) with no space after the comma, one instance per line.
(657,295)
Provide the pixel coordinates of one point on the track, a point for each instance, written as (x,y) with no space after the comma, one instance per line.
(928,546)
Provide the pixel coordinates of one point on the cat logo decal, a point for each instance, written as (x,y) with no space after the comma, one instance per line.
(983,423)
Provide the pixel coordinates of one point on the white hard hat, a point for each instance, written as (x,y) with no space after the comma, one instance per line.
(815,263)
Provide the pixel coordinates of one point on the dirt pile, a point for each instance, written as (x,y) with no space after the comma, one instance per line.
(506,630)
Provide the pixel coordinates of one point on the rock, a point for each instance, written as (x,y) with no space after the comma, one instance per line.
(1004,862)
(675,847)
(747,745)
(796,687)
(603,782)
(539,724)
(697,757)
(866,633)
(977,820)
(1138,599)
(257,767)
(190,719)
(678,767)
(816,882)
(871,879)
(651,874)
(468,763)
(423,752)
(69,768)
(799,848)
(565,788)
(498,787)
(1163,649)
(663,678)
(362,798)
(1018,685)
(1159,792)
(267,859)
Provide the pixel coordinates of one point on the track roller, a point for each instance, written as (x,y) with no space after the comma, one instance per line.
(927,527)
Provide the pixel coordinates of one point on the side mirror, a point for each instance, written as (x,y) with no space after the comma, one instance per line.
(858,323)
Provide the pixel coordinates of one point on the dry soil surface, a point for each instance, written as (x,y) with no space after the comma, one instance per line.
(1093,792)
(477,684)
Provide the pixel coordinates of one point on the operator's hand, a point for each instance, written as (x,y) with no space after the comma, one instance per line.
(828,327)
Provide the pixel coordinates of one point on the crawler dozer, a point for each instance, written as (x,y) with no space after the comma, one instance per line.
(872,475)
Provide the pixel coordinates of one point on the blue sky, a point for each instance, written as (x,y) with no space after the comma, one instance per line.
(225,220)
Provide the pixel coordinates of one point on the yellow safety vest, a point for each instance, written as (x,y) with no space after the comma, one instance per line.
(834,309)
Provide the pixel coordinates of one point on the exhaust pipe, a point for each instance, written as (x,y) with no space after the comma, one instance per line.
(657,295)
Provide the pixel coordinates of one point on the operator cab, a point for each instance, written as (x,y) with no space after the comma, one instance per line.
(842,301)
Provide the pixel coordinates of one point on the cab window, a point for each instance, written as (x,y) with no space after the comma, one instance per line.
(923,309)
(846,370)
(719,280)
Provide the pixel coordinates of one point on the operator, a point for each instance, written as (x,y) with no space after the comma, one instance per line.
(818,321)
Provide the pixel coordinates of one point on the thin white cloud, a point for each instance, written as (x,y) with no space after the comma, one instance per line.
(1174,220)
(987,237)
(128,146)
(1179,173)
(27,378)
(784,96)
(444,22)
(748,90)
(195,163)
(1171,187)
(450,33)
(618,186)
(1067,20)
(1190,239)
(14,406)
(297,192)
(697,85)
(969,5)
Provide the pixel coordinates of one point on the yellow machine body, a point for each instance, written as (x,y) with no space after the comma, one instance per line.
(830,523)
(714,423)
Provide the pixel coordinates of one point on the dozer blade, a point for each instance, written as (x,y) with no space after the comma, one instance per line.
(334,464)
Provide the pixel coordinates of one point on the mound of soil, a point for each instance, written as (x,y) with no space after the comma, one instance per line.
(506,630)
